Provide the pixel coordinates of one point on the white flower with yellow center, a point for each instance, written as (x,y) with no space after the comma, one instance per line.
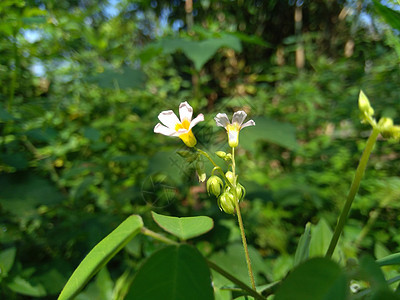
(180,128)
(234,128)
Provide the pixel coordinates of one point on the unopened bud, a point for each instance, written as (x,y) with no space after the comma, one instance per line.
(221,154)
(395,132)
(230,177)
(214,185)
(240,191)
(385,124)
(201,174)
(226,203)
(364,105)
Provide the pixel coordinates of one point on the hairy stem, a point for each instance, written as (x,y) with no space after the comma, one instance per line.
(353,191)
(240,221)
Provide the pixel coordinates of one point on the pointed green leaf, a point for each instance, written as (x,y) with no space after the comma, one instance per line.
(392,259)
(279,133)
(186,227)
(317,279)
(321,235)
(303,249)
(391,17)
(370,271)
(24,287)
(173,273)
(7,258)
(101,254)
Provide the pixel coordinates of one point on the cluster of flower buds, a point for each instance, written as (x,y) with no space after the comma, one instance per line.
(385,125)
(225,193)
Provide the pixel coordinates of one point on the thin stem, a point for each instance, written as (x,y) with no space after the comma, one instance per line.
(158,236)
(212,265)
(240,221)
(215,166)
(237,208)
(236,281)
(353,191)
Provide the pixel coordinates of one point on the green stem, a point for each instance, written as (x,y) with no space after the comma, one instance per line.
(353,191)
(240,221)
(158,236)
(237,208)
(212,265)
(236,281)
(215,166)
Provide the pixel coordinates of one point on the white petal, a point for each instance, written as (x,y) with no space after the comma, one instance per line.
(164,130)
(168,118)
(222,120)
(248,123)
(238,117)
(185,111)
(196,120)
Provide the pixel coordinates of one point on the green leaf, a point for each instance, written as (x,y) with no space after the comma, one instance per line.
(173,273)
(22,286)
(321,235)
(392,259)
(317,279)
(35,20)
(186,227)
(199,52)
(303,248)
(101,254)
(7,258)
(22,192)
(370,271)
(5,115)
(390,16)
(123,78)
(320,238)
(233,261)
(385,294)
(279,133)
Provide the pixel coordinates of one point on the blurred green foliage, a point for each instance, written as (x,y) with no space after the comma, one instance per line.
(82,83)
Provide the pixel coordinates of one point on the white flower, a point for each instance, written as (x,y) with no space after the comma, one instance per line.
(180,128)
(234,128)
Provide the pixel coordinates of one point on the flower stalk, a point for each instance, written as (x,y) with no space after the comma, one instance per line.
(240,221)
(353,191)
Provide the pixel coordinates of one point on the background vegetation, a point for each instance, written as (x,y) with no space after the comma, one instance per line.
(82,83)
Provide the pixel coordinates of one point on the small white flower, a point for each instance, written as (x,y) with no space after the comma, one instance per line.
(180,128)
(234,128)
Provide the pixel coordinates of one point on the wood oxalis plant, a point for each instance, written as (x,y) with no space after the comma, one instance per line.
(180,272)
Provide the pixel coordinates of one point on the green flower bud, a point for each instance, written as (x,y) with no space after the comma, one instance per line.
(221,154)
(395,132)
(364,105)
(385,125)
(214,185)
(390,132)
(226,203)
(230,177)
(201,174)
(240,191)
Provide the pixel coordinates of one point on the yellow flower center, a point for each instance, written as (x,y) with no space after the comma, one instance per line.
(188,137)
(184,125)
